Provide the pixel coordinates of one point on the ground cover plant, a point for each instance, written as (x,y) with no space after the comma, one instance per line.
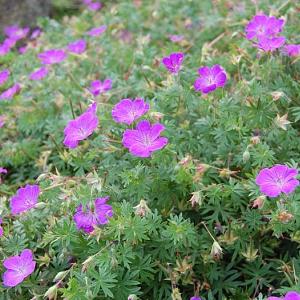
(149,150)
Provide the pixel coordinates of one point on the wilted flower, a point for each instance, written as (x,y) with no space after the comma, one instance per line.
(277,95)
(25,199)
(82,127)
(145,139)
(4,76)
(97,31)
(127,110)
(276,180)
(259,202)
(291,50)
(9,93)
(210,79)
(176,38)
(285,217)
(270,44)
(53,56)
(98,87)
(282,122)
(39,74)
(196,198)
(216,251)
(77,47)
(173,62)
(289,296)
(263,26)
(185,160)
(255,139)
(18,268)
(87,219)
(142,208)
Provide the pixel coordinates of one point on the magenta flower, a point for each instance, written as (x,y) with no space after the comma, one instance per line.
(176,38)
(39,74)
(82,127)
(268,44)
(9,93)
(35,34)
(94,6)
(195,298)
(1,229)
(4,76)
(18,268)
(9,42)
(127,110)
(98,87)
(210,79)
(145,139)
(97,31)
(25,199)
(15,32)
(77,47)
(3,170)
(23,49)
(276,180)
(292,50)
(263,26)
(53,56)
(173,62)
(4,49)
(289,296)
(87,219)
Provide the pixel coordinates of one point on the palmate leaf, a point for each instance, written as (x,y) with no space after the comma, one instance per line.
(103,280)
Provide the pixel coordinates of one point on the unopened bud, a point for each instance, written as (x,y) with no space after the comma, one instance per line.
(60,275)
(40,205)
(246,156)
(51,292)
(142,208)
(216,251)
(132,297)
(157,116)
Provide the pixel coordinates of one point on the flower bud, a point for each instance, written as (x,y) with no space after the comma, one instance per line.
(246,156)
(216,251)
(132,297)
(51,292)
(60,275)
